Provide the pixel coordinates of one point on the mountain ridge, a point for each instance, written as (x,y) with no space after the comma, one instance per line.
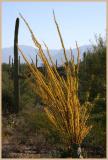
(30,51)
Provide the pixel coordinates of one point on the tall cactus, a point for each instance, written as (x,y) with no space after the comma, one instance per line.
(19,64)
(56,63)
(84,59)
(16,69)
(9,61)
(36,60)
(12,63)
(9,66)
(9,71)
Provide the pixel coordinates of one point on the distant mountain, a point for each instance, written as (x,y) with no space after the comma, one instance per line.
(6,52)
(31,52)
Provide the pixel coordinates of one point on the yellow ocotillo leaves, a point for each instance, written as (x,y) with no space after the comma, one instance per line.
(62,43)
(59,94)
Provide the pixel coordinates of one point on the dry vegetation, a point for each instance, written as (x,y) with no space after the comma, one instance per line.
(60,95)
(62,111)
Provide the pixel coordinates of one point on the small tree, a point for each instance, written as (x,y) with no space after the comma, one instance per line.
(60,95)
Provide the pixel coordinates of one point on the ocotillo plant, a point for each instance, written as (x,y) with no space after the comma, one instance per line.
(60,95)
(16,69)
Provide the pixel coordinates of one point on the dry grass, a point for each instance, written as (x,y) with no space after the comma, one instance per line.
(60,95)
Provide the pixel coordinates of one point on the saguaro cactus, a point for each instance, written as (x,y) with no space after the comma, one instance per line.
(12,63)
(36,60)
(16,69)
(56,63)
(9,66)
(19,64)
(9,61)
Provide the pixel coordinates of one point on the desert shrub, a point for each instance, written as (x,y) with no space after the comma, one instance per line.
(92,73)
(7,92)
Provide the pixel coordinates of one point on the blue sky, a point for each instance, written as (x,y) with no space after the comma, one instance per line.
(78,21)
